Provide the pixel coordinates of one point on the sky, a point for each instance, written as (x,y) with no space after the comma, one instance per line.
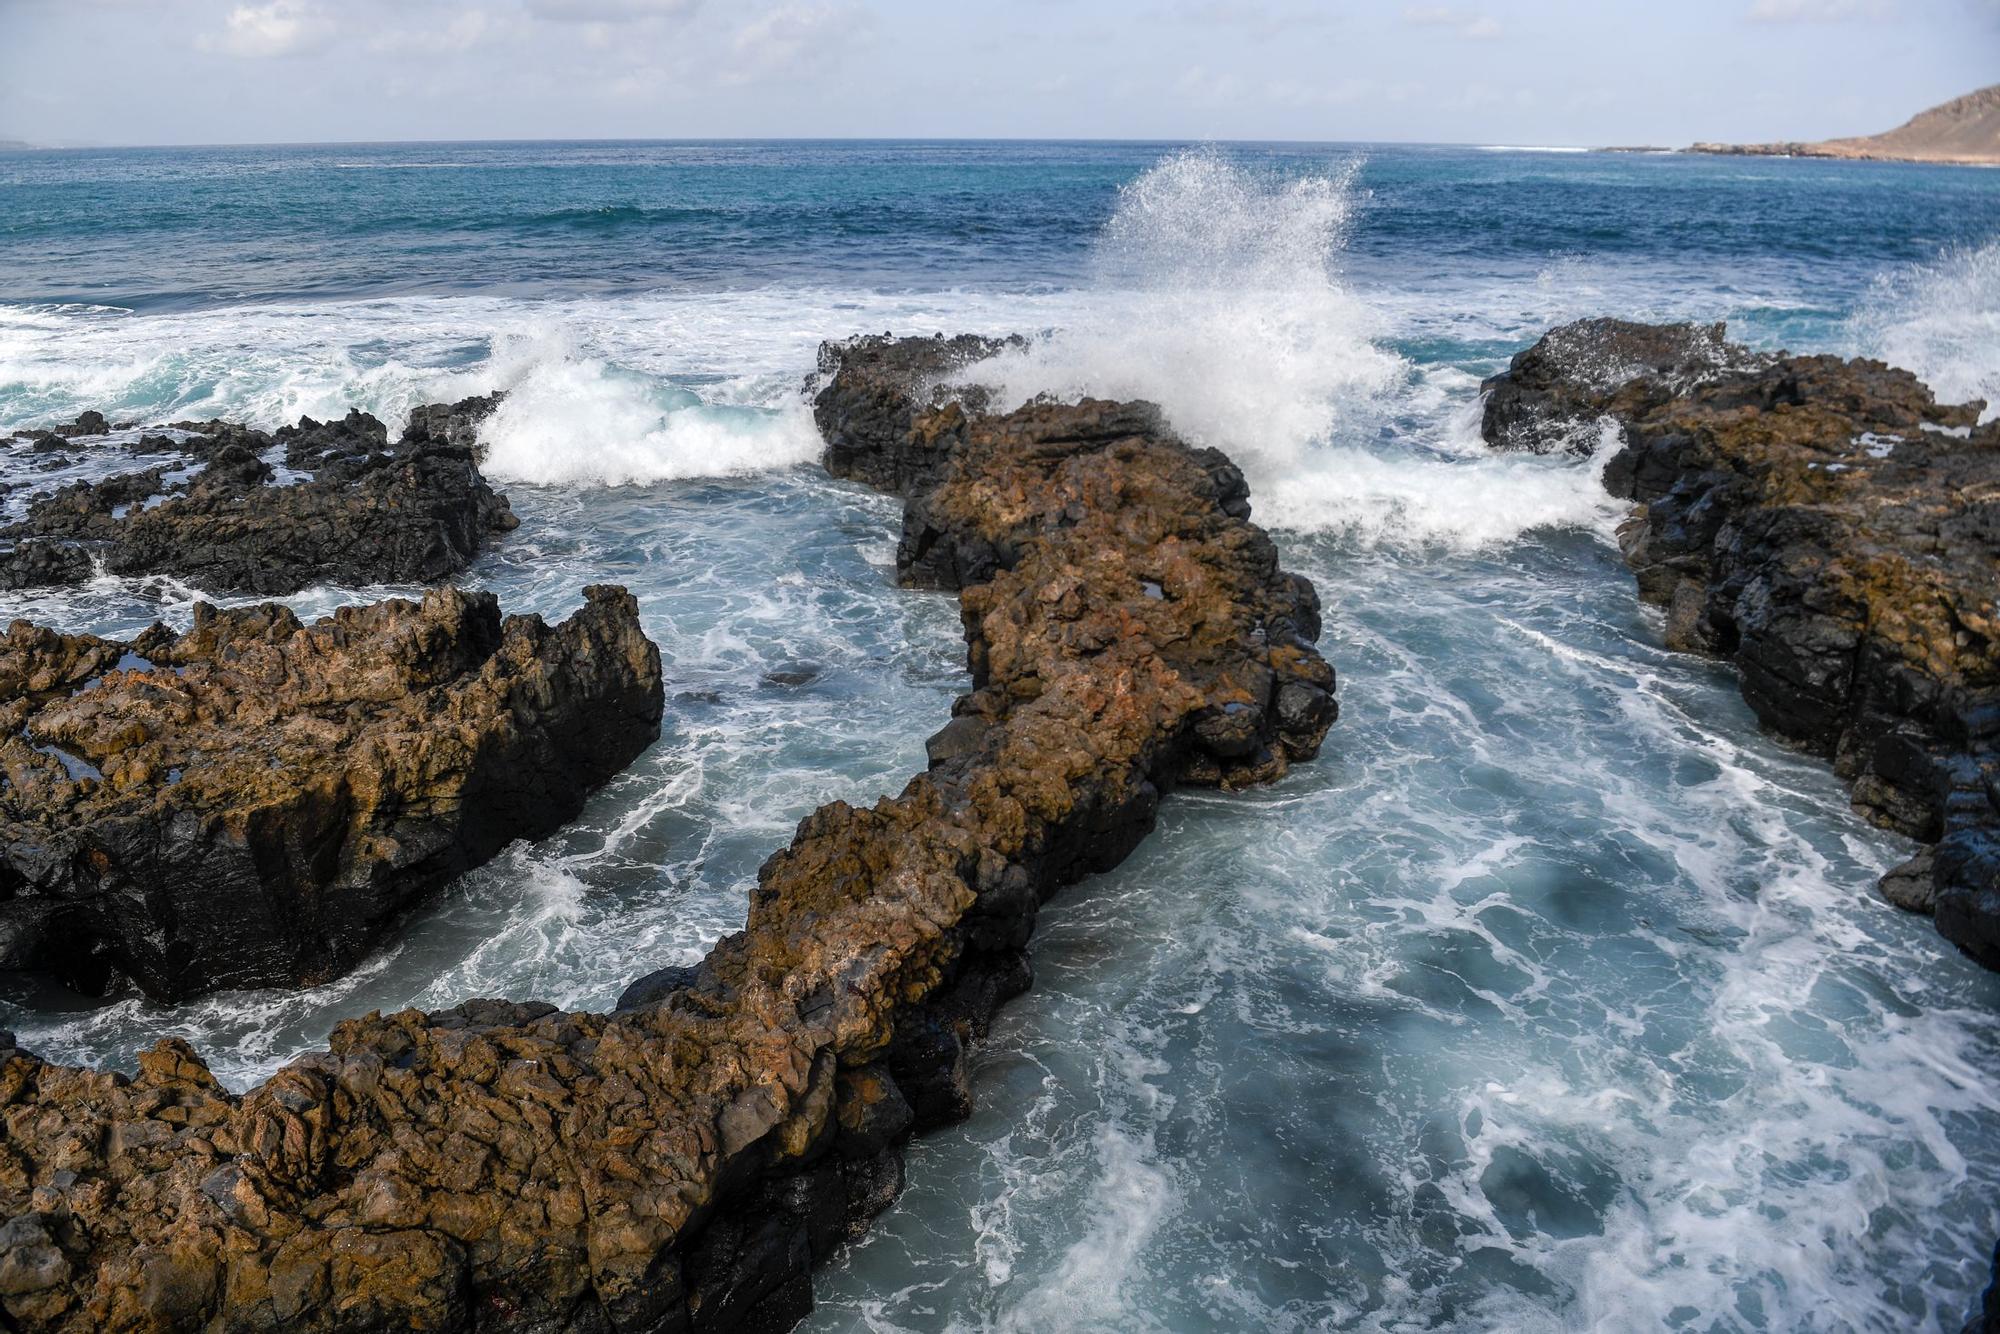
(1613,72)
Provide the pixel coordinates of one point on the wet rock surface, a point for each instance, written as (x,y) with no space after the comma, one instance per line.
(1835,531)
(680,1165)
(371,512)
(251,802)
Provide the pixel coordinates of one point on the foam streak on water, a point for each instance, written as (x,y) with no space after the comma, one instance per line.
(1551,997)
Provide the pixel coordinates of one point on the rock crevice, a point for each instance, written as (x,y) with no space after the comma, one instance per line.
(680,1164)
(1831,528)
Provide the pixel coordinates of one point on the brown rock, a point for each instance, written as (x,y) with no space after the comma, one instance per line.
(249,803)
(680,1165)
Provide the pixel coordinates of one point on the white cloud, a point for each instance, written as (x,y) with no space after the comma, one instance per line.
(280,28)
(1817,11)
(780,40)
(607,11)
(1463,22)
(464,31)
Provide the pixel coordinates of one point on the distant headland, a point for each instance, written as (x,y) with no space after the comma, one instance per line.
(1965,130)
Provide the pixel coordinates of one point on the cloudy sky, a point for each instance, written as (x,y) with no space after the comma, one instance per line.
(1483,71)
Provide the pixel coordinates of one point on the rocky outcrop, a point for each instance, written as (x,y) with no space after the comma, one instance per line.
(871,390)
(251,802)
(1835,531)
(678,1166)
(1965,131)
(1558,394)
(415,512)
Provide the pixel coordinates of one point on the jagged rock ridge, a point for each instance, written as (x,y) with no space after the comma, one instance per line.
(680,1165)
(251,802)
(417,511)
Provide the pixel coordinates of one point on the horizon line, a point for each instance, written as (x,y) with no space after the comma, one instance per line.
(26,145)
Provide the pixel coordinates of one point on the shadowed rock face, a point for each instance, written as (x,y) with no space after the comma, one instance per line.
(1834,530)
(414,512)
(248,804)
(678,1166)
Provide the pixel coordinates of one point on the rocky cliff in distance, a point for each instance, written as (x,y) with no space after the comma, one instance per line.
(1835,531)
(679,1165)
(1964,131)
(251,802)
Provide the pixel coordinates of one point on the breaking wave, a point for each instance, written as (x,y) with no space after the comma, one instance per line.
(1219,296)
(1940,320)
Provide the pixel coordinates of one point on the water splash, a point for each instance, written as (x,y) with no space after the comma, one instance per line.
(1940,320)
(1219,296)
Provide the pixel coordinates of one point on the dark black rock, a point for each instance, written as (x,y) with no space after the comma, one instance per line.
(418,512)
(869,389)
(451,424)
(1834,530)
(1553,396)
(44,565)
(657,986)
(312,444)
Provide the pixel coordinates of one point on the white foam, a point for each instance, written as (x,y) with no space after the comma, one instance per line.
(575,420)
(1218,296)
(1940,320)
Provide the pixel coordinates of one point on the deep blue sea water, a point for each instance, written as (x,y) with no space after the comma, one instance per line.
(1552,997)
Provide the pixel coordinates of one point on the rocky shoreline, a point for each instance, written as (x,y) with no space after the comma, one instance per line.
(250,803)
(358,509)
(680,1164)
(1832,529)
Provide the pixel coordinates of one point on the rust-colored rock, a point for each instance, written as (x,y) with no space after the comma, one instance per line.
(249,803)
(1834,530)
(680,1165)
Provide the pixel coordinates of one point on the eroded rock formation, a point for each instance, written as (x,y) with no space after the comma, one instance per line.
(248,804)
(1834,530)
(371,512)
(678,1166)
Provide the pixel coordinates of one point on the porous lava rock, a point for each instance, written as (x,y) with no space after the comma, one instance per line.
(1831,528)
(251,802)
(415,512)
(679,1165)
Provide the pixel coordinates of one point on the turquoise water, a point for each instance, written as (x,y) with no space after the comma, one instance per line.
(1552,997)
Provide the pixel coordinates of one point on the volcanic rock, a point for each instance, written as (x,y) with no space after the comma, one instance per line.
(680,1166)
(871,389)
(455,425)
(249,803)
(415,512)
(1556,394)
(1834,530)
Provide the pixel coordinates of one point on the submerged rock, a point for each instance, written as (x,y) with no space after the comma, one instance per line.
(679,1166)
(1834,530)
(248,804)
(371,513)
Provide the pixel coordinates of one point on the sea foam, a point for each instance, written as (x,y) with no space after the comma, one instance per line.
(1218,295)
(1940,320)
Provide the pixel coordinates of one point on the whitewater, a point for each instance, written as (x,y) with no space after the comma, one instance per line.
(1553,996)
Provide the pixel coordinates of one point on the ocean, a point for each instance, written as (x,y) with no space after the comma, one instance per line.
(1552,997)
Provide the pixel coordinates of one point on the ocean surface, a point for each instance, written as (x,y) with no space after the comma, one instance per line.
(1552,997)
